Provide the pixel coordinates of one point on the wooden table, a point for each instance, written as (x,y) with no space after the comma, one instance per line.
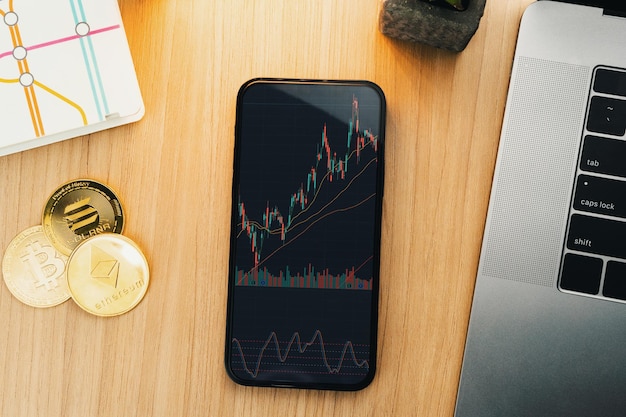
(172,171)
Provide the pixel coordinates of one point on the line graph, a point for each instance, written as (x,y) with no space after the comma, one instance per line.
(315,355)
(325,191)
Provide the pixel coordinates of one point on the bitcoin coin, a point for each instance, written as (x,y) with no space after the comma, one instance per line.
(107,275)
(79,210)
(34,271)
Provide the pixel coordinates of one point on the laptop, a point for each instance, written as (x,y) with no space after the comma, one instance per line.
(547,331)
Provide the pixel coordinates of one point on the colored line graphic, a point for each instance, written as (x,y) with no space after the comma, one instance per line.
(43,86)
(330,168)
(89,56)
(317,356)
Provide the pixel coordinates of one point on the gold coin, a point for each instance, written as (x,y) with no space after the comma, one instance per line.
(79,210)
(107,275)
(34,271)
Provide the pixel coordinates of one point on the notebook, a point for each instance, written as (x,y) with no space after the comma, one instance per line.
(547,332)
(65,71)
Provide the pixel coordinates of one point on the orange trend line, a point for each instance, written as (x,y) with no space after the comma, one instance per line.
(310,204)
(339,210)
(321,184)
(331,201)
(295,225)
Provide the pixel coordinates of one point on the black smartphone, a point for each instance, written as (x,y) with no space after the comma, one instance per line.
(305,234)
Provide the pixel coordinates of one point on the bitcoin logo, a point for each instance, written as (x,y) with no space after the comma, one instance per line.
(44,265)
(34,271)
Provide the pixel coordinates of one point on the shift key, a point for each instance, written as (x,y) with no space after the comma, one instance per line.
(597,235)
(600,195)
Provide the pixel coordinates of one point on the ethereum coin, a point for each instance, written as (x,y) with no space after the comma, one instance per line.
(34,271)
(79,210)
(107,275)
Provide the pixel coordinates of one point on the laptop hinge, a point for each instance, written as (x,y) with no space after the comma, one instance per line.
(618,13)
(610,7)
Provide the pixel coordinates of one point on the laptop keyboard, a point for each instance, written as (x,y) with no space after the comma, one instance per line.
(594,261)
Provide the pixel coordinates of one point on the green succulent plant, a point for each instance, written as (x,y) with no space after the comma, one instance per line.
(457,4)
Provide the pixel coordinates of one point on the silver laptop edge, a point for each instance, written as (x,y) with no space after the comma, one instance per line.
(531,349)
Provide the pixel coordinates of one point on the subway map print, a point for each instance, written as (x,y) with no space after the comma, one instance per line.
(65,70)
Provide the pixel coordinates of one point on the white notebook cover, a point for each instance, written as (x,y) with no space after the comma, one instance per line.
(65,71)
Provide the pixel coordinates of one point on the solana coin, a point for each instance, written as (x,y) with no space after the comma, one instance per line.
(79,210)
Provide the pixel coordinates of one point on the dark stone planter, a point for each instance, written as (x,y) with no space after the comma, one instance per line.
(419,21)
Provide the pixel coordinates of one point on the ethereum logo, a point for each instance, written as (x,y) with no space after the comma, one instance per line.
(104,267)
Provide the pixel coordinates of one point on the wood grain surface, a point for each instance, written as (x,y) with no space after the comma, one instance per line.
(172,172)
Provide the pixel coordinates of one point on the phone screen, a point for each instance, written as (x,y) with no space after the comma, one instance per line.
(305,234)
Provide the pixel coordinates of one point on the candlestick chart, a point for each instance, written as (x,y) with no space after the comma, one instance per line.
(326,190)
(305,229)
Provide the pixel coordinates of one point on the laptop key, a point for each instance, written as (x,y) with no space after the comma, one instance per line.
(581,273)
(604,156)
(610,82)
(615,280)
(600,195)
(597,235)
(607,115)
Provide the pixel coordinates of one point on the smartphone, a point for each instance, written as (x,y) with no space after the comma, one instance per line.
(305,234)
